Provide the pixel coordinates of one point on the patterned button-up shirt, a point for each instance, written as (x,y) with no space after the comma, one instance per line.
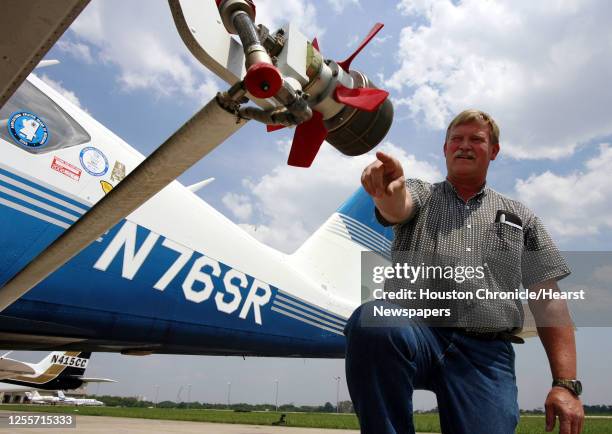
(445,230)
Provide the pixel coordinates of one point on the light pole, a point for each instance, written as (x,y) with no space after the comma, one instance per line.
(156,386)
(337,394)
(276,394)
(188,394)
(229,390)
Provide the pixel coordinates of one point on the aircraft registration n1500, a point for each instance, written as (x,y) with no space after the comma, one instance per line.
(175,276)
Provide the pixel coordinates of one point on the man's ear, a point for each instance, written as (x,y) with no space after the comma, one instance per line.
(444,148)
(495,151)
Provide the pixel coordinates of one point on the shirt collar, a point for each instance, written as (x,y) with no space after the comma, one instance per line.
(478,196)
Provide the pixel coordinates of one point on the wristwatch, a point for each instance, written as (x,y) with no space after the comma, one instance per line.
(574,386)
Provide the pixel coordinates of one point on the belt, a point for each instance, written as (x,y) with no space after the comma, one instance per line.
(492,336)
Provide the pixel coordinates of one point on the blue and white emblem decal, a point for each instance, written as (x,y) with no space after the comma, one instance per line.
(28,129)
(94,161)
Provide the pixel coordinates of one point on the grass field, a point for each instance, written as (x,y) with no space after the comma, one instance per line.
(423,422)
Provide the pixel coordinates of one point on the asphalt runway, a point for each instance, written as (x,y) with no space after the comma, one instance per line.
(116,425)
(120,425)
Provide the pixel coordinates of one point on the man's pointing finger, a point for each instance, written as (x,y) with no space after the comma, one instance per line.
(384,157)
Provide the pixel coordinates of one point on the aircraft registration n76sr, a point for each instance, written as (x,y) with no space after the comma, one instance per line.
(175,276)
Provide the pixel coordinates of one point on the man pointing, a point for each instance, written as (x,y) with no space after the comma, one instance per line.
(469,363)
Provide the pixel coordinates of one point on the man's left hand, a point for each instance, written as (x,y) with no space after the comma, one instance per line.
(562,403)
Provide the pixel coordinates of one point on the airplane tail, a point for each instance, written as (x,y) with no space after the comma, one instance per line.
(332,255)
(74,360)
(58,370)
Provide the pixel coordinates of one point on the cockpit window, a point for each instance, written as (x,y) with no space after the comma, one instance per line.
(32,121)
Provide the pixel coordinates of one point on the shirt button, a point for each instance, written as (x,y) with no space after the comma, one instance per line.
(467,207)
(468,249)
(469,226)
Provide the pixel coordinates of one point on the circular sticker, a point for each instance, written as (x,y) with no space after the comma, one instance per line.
(28,129)
(93,161)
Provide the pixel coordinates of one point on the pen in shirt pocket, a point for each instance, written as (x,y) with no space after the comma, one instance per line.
(509,219)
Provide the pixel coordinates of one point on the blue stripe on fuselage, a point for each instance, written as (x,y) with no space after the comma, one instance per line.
(40,198)
(36,208)
(112,305)
(43,188)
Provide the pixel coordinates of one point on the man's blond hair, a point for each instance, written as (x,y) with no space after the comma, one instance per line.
(473,115)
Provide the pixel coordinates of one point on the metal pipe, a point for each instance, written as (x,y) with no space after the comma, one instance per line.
(254,51)
(207,129)
(246,29)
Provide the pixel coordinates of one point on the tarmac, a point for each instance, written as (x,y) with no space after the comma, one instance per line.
(117,425)
(120,425)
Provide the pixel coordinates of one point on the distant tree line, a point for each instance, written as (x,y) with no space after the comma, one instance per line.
(595,409)
(328,407)
(588,409)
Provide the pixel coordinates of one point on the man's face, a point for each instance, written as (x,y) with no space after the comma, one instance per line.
(468,151)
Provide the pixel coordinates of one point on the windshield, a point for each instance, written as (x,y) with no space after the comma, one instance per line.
(33,122)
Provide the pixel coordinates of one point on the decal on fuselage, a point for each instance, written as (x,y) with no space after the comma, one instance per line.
(106,186)
(205,277)
(77,362)
(118,172)
(93,161)
(28,129)
(65,168)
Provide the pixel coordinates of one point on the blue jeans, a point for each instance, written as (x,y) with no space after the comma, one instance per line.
(473,379)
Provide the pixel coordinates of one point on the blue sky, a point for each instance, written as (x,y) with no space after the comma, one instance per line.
(541,69)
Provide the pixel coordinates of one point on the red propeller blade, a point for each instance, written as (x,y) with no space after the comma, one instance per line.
(315,43)
(346,64)
(270,128)
(307,140)
(362,98)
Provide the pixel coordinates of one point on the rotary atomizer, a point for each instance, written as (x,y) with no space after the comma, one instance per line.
(325,99)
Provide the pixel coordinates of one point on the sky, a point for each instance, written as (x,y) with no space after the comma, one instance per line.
(541,69)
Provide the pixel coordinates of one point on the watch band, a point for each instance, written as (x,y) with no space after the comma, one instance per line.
(573,386)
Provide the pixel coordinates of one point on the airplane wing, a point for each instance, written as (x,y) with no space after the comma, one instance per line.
(96,380)
(10,368)
(27,31)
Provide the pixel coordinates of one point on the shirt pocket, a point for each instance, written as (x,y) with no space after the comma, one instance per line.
(501,237)
(502,249)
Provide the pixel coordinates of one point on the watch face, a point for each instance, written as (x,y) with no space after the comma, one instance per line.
(578,387)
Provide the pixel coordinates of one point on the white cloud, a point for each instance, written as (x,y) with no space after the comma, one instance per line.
(274,14)
(77,50)
(58,86)
(540,68)
(573,205)
(416,7)
(238,204)
(293,202)
(339,5)
(140,38)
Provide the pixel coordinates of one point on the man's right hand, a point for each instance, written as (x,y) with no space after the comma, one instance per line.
(384,180)
(383,177)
